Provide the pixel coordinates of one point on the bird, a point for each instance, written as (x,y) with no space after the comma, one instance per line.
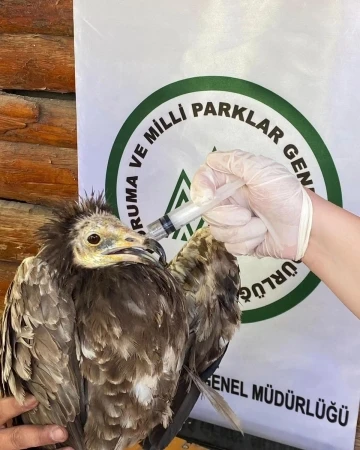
(108,336)
(210,279)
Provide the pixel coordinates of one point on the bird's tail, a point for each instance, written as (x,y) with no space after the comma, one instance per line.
(216,400)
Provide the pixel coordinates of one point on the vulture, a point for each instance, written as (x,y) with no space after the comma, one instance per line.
(114,342)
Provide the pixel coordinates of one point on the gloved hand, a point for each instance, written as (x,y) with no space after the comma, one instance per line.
(270,216)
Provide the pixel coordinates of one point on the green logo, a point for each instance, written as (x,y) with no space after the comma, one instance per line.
(181,195)
(142,123)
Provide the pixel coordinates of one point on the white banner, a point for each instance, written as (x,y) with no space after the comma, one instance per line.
(160,85)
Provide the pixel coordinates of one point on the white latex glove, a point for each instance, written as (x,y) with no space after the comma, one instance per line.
(270,216)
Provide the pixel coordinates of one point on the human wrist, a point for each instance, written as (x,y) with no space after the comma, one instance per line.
(314,252)
(305,224)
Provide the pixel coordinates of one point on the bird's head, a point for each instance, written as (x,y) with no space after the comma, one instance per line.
(101,240)
(86,234)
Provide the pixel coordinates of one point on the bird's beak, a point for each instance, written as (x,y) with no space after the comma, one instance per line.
(138,248)
(154,246)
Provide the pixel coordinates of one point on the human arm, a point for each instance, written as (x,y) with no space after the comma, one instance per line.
(333,251)
(273,215)
(25,436)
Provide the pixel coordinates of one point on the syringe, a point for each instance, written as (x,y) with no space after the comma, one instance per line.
(174,220)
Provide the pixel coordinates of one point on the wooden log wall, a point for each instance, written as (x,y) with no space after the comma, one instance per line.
(38,158)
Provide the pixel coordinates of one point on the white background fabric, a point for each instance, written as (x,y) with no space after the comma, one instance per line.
(308,54)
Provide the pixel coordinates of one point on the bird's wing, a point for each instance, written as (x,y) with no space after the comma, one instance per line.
(37,349)
(187,394)
(210,279)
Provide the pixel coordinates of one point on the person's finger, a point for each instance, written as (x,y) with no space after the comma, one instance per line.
(244,165)
(205,183)
(245,248)
(232,162)
(254,170)
(228,215)
(234,235)
(28,436)
(10,408)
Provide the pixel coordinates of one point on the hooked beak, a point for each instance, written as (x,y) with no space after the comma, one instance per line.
(154,246)
(143,251)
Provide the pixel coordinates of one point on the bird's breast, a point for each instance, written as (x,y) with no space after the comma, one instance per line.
(128,320)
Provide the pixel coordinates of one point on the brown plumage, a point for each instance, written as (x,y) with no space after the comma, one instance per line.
(209,278)
(99,331)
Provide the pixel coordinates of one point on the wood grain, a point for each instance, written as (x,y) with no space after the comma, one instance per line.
(38,120)
(37,62)
(19,223)
(37,174)
(37,16)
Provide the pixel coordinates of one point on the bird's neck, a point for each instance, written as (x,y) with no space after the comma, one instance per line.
(116,284)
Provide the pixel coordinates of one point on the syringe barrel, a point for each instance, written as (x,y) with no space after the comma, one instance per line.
(156,230)
(184,214)
(188,212)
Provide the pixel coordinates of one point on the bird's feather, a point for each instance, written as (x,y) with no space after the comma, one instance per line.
(209,277)
(216,400)
(186,396)
(36,349)
(104,348)
(133,331)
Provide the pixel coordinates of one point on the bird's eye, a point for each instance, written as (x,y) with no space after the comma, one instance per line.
(93,239)
(130,240)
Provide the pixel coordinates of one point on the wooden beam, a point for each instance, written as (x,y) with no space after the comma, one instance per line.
(37,62)
(37,120)
(38,174)
(37,16)
(19,223)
